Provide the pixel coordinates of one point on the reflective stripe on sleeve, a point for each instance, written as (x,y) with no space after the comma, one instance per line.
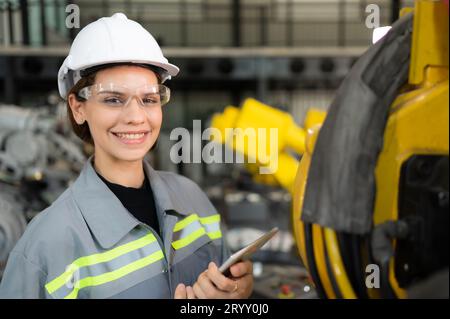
(114,275)
(94,259)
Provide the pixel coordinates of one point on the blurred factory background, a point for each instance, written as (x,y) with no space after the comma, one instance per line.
(289,54)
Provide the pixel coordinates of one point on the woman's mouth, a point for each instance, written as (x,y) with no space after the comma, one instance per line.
(131,137)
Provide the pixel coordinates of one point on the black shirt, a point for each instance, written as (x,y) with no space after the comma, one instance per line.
(138,201)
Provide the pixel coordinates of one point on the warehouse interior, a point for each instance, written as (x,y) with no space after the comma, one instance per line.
(362,180)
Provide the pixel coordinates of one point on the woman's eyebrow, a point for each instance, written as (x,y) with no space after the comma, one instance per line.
(111,92)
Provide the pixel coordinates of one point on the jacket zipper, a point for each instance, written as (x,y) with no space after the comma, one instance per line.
(161,245)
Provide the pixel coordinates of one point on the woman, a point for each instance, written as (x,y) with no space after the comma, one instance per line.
(122,230)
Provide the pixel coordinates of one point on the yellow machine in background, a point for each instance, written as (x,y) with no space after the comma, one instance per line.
(290,138)
(418,127)
(409,175)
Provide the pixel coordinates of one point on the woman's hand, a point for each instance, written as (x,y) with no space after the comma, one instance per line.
(212,284)
(183,292)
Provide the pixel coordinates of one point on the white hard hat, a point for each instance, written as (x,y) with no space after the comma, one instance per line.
(114,39)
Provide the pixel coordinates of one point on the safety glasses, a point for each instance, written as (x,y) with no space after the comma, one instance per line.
(114,95)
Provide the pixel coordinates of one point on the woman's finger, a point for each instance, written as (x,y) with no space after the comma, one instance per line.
(208,287)
(180,292)
(198,291)
(219,280)
(190,293)
(241,269)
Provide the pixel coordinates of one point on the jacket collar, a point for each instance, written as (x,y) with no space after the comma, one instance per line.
(165,197)
(163,200)
(105,215)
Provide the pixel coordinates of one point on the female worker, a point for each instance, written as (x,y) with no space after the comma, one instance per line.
(122,229)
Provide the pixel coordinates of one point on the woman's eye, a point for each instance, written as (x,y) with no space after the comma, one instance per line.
(150,100)
(112,100)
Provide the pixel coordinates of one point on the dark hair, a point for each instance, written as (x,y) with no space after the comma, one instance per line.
(80,130)
(83,131)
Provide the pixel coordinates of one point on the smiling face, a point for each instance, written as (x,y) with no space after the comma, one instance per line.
(120,133)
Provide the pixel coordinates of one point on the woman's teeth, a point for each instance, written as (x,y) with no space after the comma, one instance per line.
(130,136)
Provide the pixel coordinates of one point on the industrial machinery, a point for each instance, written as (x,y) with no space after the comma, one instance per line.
(370,212)
(381,202)
(268,138)
(39,157)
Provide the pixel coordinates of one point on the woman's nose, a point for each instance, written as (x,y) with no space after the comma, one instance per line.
(133,112)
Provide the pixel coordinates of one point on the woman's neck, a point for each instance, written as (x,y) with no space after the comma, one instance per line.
(125,173)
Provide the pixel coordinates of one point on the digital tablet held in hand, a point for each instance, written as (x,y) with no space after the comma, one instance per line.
(246,252)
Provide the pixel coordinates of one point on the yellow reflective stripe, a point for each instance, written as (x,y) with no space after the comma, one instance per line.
(58,282)
(114,275)
(210,219)
(199,232)
(215,234)
(181,224)
(191,218)
(188,239)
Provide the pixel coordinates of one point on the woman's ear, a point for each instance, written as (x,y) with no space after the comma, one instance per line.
(77,108)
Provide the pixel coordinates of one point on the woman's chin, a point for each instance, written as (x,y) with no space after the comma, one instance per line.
(131,155)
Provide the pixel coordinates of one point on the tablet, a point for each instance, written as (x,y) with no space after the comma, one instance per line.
(246,252)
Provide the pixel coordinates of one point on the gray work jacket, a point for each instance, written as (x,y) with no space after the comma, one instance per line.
(87,244)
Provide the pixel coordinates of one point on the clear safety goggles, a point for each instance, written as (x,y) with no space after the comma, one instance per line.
(111,94)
